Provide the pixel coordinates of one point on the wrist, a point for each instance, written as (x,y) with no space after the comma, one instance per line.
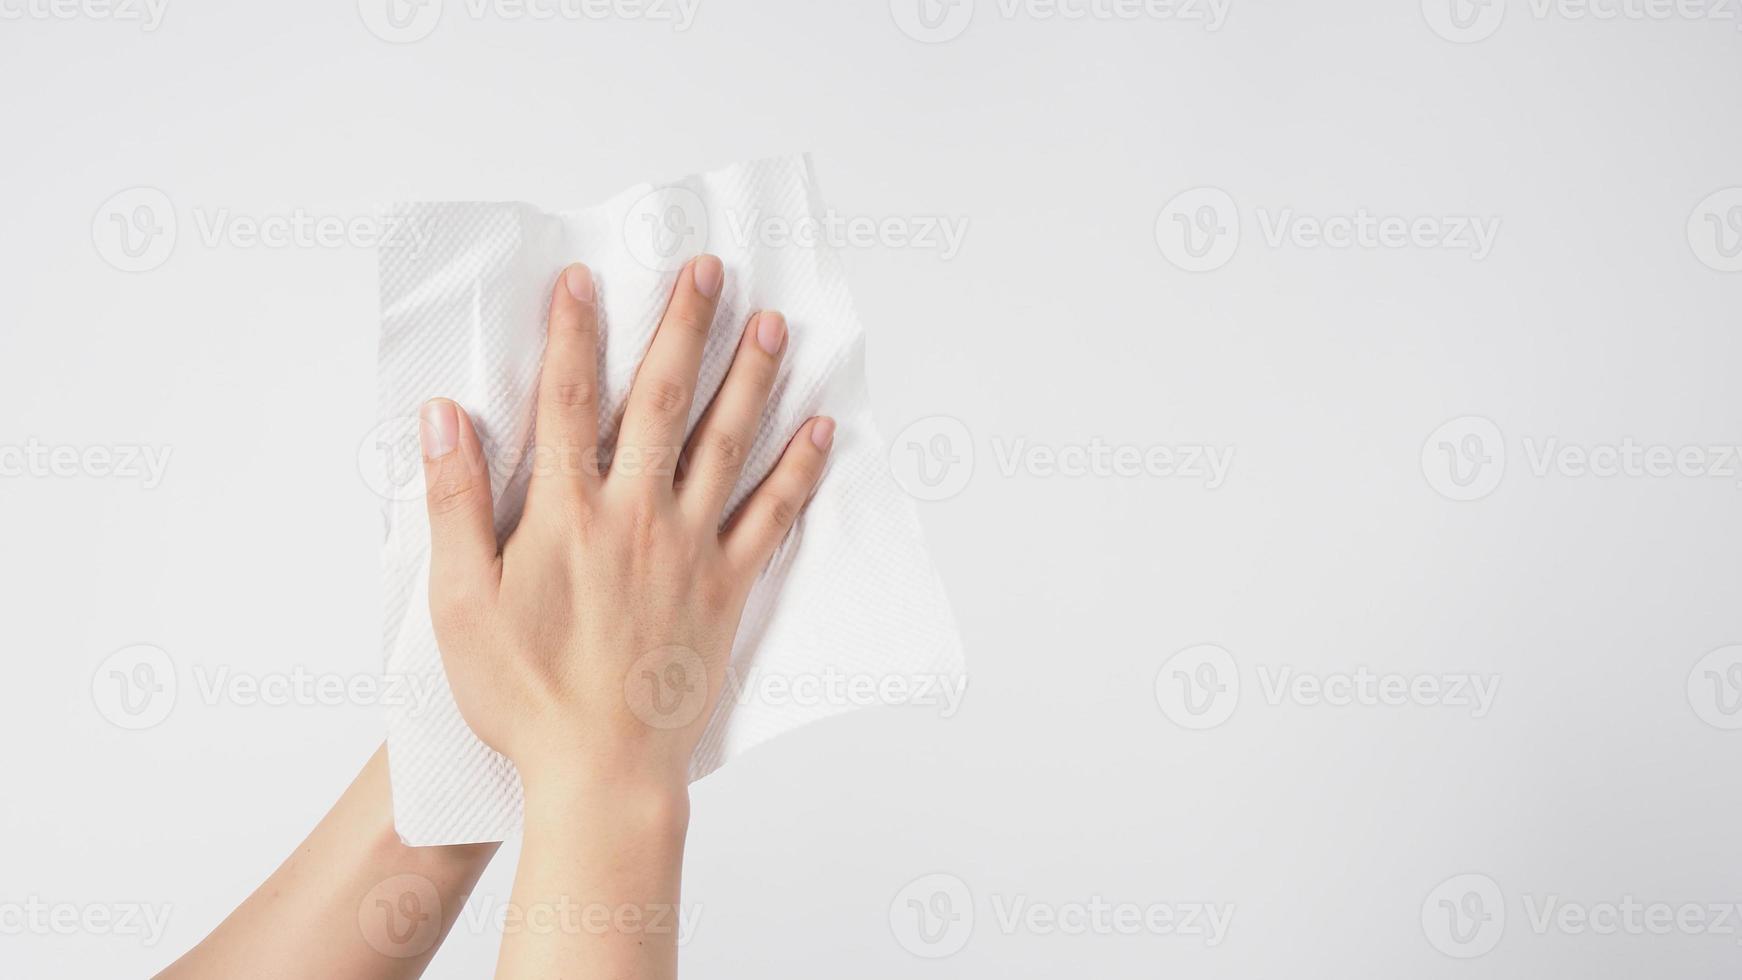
(637,803)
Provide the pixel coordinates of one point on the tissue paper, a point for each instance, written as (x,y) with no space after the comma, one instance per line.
(850,610)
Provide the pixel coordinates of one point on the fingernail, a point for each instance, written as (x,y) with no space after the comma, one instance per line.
(770,331)
(708,274)
(438,428)
(580,282)
(823,433)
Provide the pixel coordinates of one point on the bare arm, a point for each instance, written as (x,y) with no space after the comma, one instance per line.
(352,903)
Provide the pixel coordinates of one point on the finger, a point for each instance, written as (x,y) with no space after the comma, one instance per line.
(461,528)
(761,524)
(660,398)
(567,426)
(723,436)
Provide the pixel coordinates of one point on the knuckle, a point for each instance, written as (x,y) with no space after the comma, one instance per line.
(449,493)
(663,396)
(728,448)
(781,510)
(573,394)
(692,321)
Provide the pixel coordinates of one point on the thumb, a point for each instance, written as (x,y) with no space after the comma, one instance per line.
(462,527)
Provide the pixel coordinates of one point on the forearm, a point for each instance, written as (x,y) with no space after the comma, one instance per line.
(352,902)
(596,893)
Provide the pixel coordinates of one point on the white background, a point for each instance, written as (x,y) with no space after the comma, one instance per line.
(1595,777)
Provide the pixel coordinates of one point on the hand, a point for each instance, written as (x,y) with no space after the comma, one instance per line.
(594,643)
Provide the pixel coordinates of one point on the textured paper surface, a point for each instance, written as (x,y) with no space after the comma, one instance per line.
(850,593)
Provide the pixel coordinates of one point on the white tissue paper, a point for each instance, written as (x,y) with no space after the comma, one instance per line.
(849,606)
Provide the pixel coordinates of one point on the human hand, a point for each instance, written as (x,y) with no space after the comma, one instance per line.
(593,644)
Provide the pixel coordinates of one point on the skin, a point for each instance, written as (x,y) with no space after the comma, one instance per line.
(590,648)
